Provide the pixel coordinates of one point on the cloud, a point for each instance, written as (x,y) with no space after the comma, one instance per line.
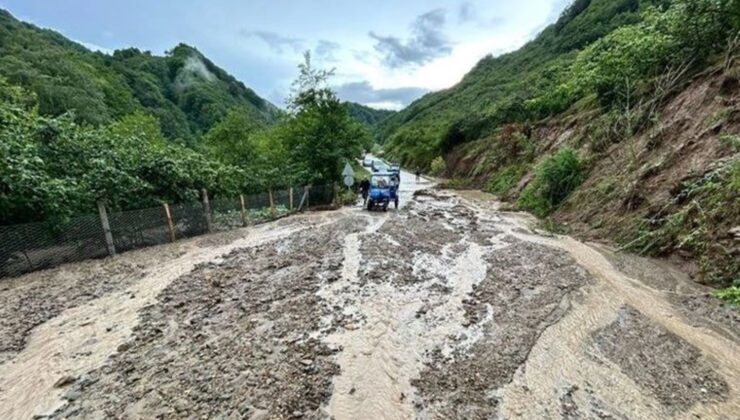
(364,93)
(325,50)
(426,43)
(277,42)
(466,12)
(94,47)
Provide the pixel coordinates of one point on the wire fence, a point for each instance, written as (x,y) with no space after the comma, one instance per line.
(35,246)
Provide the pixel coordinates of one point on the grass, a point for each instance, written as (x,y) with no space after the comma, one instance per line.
(360,171)
(732,141)
(505,179)
(697,222)
(555,178)
(730,295)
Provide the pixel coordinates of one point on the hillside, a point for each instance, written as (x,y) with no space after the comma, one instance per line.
(621,121)
(186,91)
(370,117)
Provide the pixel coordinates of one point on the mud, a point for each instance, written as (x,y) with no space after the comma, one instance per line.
(660,362)
(526,290)
(33,299)
(448,308)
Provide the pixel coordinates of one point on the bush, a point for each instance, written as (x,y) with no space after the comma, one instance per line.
(438,166)
(730,294)
(504,180)
(555,179)
(347,197)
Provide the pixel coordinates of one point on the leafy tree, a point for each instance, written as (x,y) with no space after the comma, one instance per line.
(320,135)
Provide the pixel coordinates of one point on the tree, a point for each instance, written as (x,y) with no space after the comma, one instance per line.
(320,135)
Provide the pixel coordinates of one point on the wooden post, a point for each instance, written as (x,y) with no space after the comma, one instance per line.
(290,197)
(170,224)
(272,205)
(207,210)
(308,196)
(303,199)
(245,218)
(106,229)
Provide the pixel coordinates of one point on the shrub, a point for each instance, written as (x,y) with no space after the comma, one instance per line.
(438,166)
(730,294)
(555,178)
(504,180)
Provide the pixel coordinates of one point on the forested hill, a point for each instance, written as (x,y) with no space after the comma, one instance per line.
(371,117)
(187,92)
(538,80)
(495,89)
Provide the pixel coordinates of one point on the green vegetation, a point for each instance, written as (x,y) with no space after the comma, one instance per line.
(555,178)
(54,167)
(505,179)
(185,91)
(703,210)
(730,295)
(610,49)
(369,117)
(438,166)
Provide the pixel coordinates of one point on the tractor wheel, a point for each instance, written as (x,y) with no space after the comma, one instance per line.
(369,205)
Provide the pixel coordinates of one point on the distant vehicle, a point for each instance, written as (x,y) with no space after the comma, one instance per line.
(379,166)
(383,191)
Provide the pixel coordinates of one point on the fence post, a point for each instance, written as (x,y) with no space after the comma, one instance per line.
(170,224)
(207,210)
(272,205)
(245,218)
(290,196)
(106,229)
(308,196)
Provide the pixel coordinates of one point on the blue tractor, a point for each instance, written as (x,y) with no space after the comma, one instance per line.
(383,191)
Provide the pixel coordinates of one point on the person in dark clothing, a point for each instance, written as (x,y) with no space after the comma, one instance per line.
(418,175)
(365,188)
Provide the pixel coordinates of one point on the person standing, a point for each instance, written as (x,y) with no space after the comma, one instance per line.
(364,189)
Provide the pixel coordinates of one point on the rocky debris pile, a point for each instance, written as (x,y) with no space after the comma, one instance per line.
(232,339)
(37,297)
(662,363)
(526,289)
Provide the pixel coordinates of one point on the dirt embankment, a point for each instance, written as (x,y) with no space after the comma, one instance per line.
(652,191)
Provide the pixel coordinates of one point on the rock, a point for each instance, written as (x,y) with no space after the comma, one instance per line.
(735,232)
(64,381)
(72,395)
(307,362)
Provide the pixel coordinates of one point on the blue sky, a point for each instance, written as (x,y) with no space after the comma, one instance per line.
(386,53)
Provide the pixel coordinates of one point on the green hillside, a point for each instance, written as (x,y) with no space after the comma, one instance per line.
(183,89)
(370,117)
(558,68)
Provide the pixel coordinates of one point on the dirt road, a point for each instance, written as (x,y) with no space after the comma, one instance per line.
(447,308)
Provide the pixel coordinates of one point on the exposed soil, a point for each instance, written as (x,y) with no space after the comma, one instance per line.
(447,308)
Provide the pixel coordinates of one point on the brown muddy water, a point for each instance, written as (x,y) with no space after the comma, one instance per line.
(448,308)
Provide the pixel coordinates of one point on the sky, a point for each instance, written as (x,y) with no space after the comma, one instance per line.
(386,53)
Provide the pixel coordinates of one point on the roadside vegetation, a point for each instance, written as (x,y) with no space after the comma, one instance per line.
(54,167)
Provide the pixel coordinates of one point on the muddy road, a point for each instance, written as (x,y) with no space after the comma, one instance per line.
(447,308)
